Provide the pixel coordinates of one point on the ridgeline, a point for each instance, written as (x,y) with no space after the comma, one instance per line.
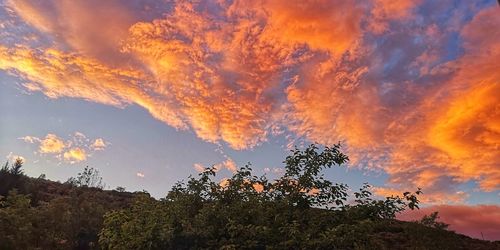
(300,210)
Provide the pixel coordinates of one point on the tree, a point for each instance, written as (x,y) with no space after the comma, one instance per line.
(431,220)
(248,211)
(90,177)
(16,168)
(5,168)
(12,177)
(16,221)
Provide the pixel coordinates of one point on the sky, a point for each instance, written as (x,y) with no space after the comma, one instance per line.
(150,92)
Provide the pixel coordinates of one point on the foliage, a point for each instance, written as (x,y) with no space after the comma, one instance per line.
(247,211)
(431,220)
(90,177)
(10,176)
(14,169)
(39,214)
(16,223)
(300,210)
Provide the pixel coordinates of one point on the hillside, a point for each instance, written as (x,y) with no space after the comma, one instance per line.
(246,212)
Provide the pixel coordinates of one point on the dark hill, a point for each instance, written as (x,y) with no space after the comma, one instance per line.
(71,218)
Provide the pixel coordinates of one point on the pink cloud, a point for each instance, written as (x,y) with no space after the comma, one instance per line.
(475,221)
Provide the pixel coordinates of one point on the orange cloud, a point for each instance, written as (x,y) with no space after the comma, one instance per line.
(327,71)
(51,144)
(99,144)
(228,164)
(475,221)
(448,136)
(386,10)
(333,26)
(94,31)
(75,155)
(461,133)
(72,150)
(199,167)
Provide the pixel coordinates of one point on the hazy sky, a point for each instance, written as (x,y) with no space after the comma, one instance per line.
(149,92)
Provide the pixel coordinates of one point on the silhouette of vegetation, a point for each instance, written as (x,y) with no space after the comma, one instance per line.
(300,210)
(90,177)
(40,214)
(431,220)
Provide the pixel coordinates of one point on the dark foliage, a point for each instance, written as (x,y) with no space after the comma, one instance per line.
(300,210)
(40,214)
(90,177)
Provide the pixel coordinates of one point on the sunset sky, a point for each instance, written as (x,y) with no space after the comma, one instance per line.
(150,92)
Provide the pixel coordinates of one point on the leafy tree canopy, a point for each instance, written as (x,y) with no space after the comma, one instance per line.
(301,209)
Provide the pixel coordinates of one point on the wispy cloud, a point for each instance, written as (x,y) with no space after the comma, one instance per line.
(227,164)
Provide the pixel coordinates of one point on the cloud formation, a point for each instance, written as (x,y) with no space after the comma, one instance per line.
(51,144)
(410,92)
(75,155)
(74,149)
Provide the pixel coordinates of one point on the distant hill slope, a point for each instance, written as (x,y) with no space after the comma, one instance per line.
(62,216)
(42,214)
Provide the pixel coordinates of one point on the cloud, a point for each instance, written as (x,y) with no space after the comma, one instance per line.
(51,144)
(75,149)
(29,139)
(475,221)
(75,155)
(385,11)
(409,90)
(11,158)
(431,197)
(333,26)
(227,164)
(435,130)
(199,167)
(82,26)
(99,144)
(230,165)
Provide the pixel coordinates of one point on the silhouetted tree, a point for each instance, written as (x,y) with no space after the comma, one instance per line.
(16,168)
(89,177)
(247,211)
(431,220)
